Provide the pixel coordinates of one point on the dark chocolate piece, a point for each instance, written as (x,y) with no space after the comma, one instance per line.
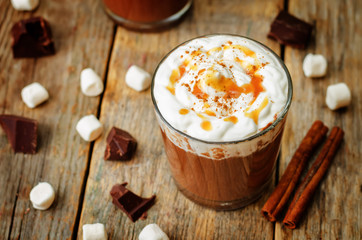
(32,38)
(120,145)
(133,205)
(21,133)
(289,30)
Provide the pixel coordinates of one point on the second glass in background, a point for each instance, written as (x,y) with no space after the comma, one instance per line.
(146,14)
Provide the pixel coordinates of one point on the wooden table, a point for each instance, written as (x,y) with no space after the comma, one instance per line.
(85,37)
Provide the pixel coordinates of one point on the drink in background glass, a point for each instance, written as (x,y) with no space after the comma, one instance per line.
(221,102)
(146,14)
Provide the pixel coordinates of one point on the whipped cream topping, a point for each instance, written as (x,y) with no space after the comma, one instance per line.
(220,88)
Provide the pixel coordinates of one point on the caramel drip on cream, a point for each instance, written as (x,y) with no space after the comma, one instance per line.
(199,93)
(210,113)
(255,113)
(183,111)
(232,119)
(206,125)
(226,86)
(215,49)
(175,76)
(232,90)
(201,116)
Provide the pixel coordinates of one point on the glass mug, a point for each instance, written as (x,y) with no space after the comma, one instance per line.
(146,14)
(237,172)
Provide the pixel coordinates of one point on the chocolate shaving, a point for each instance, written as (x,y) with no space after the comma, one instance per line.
(32,38)
(21,132)
(133,205)
(289,30)
(120,145)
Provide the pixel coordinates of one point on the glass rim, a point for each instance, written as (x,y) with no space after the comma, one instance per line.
(281,114)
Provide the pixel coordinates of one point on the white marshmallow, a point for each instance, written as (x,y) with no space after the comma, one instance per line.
(94,231)
(152,232)
(26,5)
(338,95)
(89,128)
(314,65)
(34,94)
(90,83)
(137,78)
(42,196)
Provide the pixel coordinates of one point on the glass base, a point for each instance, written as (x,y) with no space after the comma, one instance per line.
(223,205)
(148,26)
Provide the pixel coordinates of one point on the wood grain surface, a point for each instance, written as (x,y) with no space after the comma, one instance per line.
(82,36)
(85,37)
(335,212)
(148,172)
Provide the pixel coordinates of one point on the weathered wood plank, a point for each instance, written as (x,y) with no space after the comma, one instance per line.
(148,172)
(335,212)
(82,36)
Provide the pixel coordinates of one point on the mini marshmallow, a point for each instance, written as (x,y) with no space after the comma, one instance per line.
(314,65)
(90,83)
(137,78)
(94,231)
(42,196)
(25,5)
(34,94)
(89,128)
(338,95)
(152,232)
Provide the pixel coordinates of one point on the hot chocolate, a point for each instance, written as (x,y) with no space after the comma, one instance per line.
(221,102)
(146,14)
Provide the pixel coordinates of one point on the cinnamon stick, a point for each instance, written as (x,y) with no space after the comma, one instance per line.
(278,199)
(315,174)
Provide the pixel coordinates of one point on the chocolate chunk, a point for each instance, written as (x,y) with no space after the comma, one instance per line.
(289,30)
(120,145)
(21,132)
(32,38)
(133,205)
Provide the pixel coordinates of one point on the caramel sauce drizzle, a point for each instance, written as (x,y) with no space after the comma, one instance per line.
(176,75)
(232,119)
(199,93)
(215,49)
(201,116)
(183,111)
(206,125)
(255,113)
(210,113)
(222,84)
